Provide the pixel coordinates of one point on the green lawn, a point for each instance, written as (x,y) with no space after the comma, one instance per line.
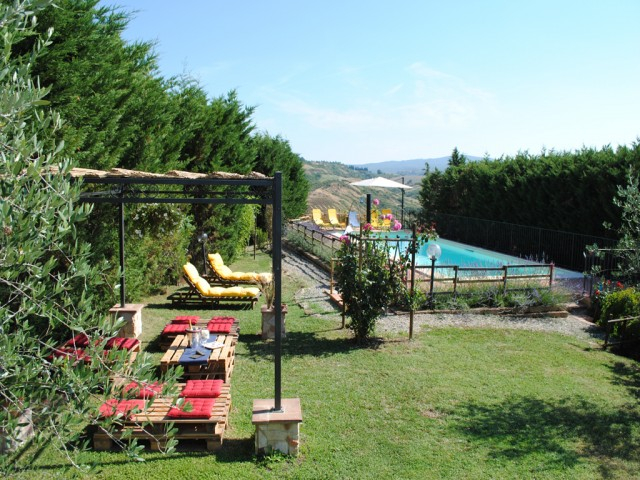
(452,403)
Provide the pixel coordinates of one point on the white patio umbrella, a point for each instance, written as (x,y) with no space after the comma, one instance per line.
(384,183)
(380,182)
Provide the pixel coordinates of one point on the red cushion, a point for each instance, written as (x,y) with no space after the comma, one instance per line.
(200,408)
(229,320)
(219,327)
(202,389)
(143,390)
(175,328)
(70,353)
(185,319)
(120,407)
(122,343)
(79,341)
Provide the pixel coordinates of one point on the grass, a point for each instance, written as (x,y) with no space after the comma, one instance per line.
(452,403)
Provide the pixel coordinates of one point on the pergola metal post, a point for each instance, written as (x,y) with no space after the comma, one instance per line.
(277,278)
(122,276)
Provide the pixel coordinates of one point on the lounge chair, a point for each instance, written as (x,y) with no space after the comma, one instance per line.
(200,291)
(386,222)
(374,219)
(223,275)
(317,218)
(353,219)
(333,218)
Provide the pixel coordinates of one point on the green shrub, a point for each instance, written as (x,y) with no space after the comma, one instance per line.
(362,278)
(622,304)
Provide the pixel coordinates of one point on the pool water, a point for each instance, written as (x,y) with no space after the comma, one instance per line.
(454,253)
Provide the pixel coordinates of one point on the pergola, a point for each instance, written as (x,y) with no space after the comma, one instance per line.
(120,187)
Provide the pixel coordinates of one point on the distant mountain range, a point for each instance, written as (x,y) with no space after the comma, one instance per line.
(410,167)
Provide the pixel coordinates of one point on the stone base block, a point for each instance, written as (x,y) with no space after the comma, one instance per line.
(269,323)
(132,314)
(24,431)
(277,430)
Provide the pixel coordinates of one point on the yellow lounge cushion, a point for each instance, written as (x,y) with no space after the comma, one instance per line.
(223,271)
(233,292)
(191,272)
(203,286)
(215,259)
(244,276)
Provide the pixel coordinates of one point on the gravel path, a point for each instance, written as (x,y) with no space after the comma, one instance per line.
(314,301)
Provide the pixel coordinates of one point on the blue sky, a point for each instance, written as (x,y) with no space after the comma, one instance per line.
(370,81)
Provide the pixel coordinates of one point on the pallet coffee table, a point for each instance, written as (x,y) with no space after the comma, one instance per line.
(219,365)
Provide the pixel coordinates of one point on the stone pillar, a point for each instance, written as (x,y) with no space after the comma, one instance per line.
(277,430)
(269,322)
(132,314)
(22,433)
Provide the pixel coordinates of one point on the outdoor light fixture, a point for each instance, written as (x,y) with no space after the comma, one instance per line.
(202,238)
(433,252)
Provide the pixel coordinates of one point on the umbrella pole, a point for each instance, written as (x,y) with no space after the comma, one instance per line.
(368,208)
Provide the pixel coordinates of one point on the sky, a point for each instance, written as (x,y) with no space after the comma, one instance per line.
(371,81)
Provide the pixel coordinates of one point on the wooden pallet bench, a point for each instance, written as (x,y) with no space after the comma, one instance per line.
(209,429)
(219,365)
(167,338)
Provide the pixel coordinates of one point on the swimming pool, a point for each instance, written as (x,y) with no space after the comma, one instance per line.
(454,253)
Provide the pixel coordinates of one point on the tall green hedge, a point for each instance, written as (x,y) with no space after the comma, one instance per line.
(571,191)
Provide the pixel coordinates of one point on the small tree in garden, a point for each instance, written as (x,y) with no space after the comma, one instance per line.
(362,277)
(628,199)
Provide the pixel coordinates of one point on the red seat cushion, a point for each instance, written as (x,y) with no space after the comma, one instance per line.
(79,341)
(122,343)
(70,353)
(202,389)
(200,408)
(185,319)
(219,327)
(143,390)
(175,328)
(229,320)
(114,406)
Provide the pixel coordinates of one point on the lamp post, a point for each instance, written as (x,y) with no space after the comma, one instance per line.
(402,205)
(202,238)
(433,252)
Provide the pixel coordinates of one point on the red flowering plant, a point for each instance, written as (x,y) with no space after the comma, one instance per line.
(603,289)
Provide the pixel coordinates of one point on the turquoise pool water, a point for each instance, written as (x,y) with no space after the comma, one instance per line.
(462,255)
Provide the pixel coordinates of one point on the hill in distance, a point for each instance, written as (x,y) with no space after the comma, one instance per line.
(330,188)
(412,167)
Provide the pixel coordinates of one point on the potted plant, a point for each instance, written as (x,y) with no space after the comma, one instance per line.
(267,287)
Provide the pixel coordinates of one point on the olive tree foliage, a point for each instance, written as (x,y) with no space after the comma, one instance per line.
(628,247)
(46,277)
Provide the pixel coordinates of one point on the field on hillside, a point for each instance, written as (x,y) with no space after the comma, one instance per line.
(330,188)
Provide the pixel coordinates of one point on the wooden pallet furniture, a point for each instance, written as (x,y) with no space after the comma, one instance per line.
(75,349)
(153,422)
(172,330)
(219,364)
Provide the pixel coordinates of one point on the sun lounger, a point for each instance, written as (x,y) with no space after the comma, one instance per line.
(374,219)
(353,219)
(386,217)
(200,291)
(223,275)
(317,218)
(333,218)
